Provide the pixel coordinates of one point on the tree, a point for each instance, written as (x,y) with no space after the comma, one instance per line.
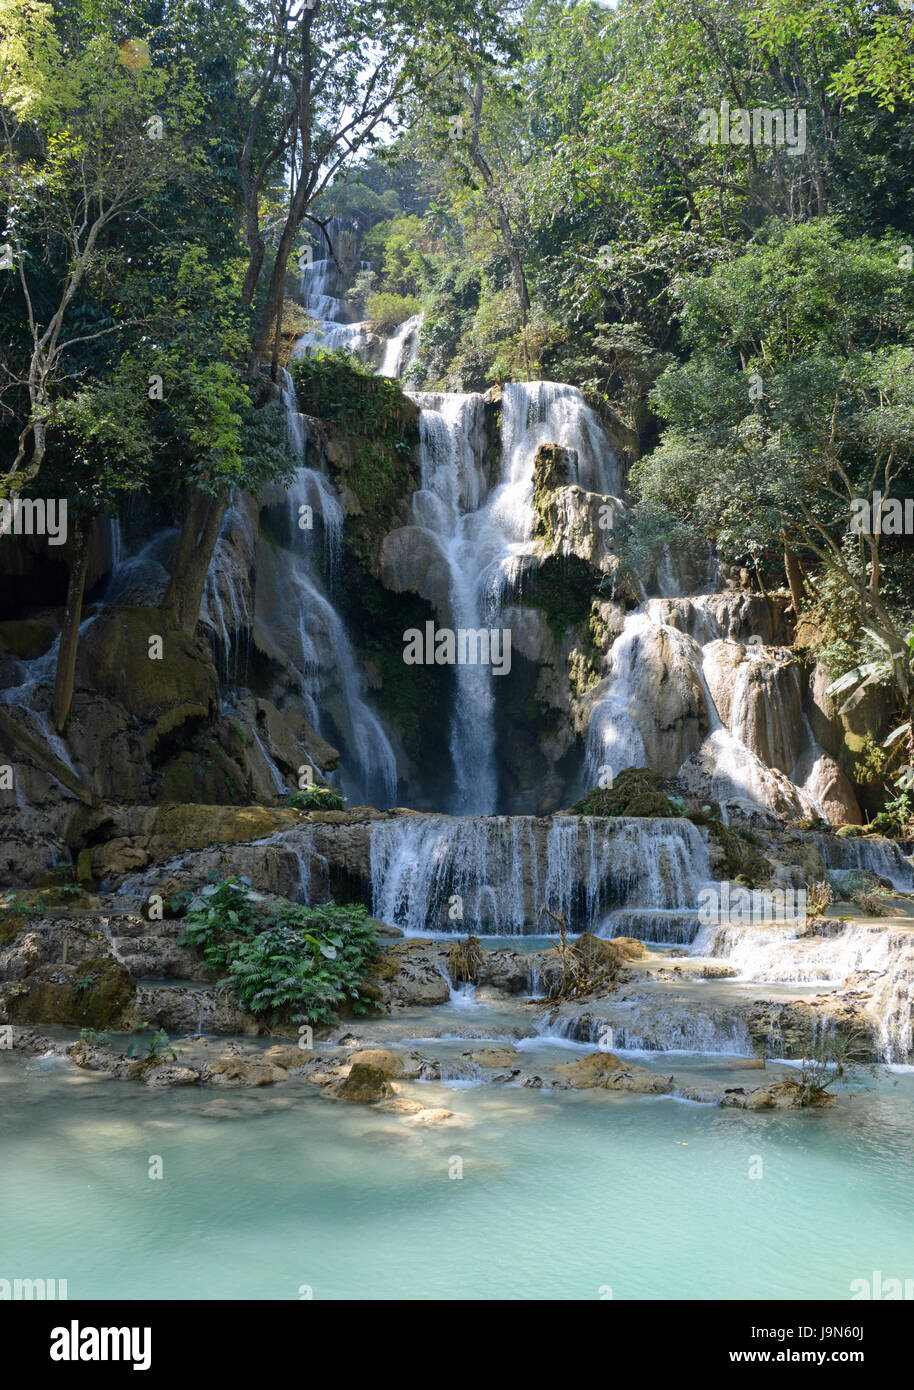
(793,410)
(83,145)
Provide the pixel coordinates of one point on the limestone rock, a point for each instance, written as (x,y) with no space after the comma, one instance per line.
(364,1085)
(605,1071)
(390,1064)
(829,786)
(243,1071)
(114,661)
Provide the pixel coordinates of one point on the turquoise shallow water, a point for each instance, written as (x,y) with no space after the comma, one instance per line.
(563,1195)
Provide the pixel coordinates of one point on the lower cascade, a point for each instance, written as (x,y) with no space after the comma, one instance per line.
(495,874)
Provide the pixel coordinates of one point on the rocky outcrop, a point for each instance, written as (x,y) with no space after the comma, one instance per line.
(605,1071)
(410,974)
(832,790)
(64,971)
(163,679)
(364,1085)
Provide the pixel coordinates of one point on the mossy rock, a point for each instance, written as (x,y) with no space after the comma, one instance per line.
(114,661)
(93,994)
(637,791)
(741,862)
(11,924)
(195,826)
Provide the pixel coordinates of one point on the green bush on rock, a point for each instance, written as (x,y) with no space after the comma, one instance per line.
(317,799)
(298,962)
(637,791)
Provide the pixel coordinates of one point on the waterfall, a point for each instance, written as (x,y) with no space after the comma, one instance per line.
(708,676)
(368,767)
(485,537)
(401,349)
(868,855)
(493,874)
(446,505)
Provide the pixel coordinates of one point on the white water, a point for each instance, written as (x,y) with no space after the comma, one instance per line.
(485,537)
(876,856)
(401,349)
(494,874)
(325,655)
(627,722)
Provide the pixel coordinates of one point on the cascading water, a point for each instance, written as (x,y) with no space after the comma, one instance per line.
(494,874)
(880,857)
(401,349)
(325,656)
(485,537)
(717,688)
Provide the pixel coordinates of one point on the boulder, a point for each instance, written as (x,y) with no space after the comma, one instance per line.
(605,1071)
(164,694)
(243,1071)
(364,1085)
(390,1064)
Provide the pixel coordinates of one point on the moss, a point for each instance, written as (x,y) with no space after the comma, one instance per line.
(563,590)
(636,791)
(93,994)
(741,860)
(11,924)
(371,445)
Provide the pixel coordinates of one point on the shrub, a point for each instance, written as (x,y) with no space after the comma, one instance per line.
(219,917)
(636,791)
(387,311)
(317,799)
(297,961)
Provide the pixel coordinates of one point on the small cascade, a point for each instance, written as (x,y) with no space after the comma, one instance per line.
(31,699)
(493,874)
(868,854)
(777,952)
(894,1004)
(142,577)
(400,349)
(668,926)
(708,1029)
(692,692)
(227,601)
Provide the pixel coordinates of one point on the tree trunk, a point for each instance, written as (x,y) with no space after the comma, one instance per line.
(794,579)
(197,542)
(271,314)
(69,632)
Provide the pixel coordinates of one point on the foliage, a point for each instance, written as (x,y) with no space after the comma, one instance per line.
(897,815)
(317,798)
(387,311)
(827,1065)
(338,387)
(303,962)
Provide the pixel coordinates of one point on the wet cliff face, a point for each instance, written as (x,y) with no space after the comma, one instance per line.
(493,518)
